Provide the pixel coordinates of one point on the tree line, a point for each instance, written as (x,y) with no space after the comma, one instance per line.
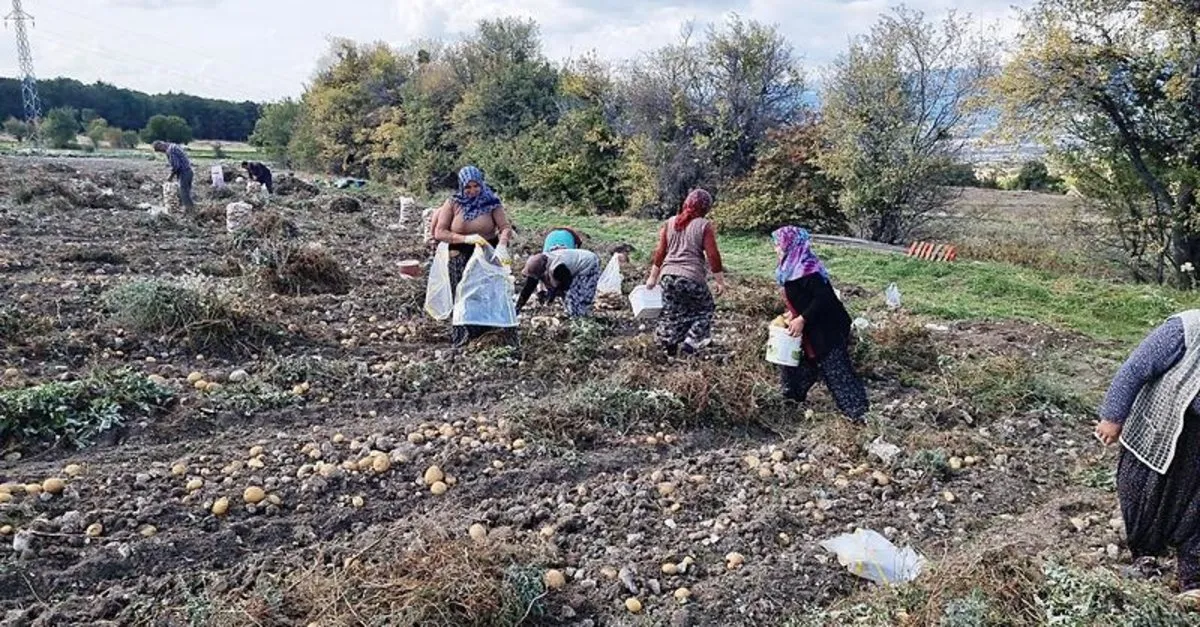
(128,109)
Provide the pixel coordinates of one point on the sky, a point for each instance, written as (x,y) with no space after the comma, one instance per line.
(265,50)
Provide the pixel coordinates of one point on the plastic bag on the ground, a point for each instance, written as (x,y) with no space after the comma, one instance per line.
(869,555)
(893,296)
(439,298)
(610,279)
(485,293)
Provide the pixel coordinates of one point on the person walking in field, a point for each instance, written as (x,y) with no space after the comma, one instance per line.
(181,170)
(815,314)
(1152,408)
(570,273)
(259,173)
(685,242)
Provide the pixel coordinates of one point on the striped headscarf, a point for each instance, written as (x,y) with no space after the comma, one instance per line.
(482,203)
(696,206)
(798,258)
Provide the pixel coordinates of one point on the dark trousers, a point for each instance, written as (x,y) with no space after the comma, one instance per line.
(265,179)
(837,370)
(185,189)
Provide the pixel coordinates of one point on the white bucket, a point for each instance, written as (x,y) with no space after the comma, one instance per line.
(647,303)
(783,349)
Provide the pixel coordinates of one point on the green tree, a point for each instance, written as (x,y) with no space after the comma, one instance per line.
(97,130)
(786,186)
(274,130)
(168,128)
(130,139)
(896,108)
(18,129)
(60,127)
(1118,80)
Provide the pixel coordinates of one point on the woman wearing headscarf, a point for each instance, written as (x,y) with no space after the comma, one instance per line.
(570,273)
(815,314)
(468,218)
(685,243)
(562,237)
(1152,409)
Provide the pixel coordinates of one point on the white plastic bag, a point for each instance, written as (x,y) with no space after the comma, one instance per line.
(869,555)
(610,279)
(893,296)
(439,298)
(485,293)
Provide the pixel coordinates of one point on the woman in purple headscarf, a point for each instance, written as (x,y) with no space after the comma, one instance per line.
(815,313)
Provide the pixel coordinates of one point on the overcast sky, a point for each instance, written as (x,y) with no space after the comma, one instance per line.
(267,49)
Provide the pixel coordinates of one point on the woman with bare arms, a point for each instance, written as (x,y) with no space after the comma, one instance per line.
(467,219)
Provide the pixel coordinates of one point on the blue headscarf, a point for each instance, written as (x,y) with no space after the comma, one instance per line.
(484,202)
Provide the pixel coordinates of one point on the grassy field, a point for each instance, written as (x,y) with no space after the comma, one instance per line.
(963,290)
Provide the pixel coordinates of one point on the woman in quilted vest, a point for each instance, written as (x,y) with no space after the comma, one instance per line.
(1152,410)
(685,243)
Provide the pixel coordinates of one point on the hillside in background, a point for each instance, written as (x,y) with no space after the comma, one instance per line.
(129,109)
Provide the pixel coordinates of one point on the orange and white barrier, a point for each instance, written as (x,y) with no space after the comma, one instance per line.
(932,252)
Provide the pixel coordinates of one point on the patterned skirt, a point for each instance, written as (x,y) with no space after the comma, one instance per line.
(687,314)
(582,294)
(1163,511)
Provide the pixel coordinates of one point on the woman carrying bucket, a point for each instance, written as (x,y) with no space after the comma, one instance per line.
(685,242)
(817,316)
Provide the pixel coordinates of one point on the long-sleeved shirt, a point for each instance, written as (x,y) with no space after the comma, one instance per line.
(556,269)
(258,172)
(1158,353)
(178,159)
(826,321)
(682,253)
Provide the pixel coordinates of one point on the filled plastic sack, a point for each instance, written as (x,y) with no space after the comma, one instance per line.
(485,293)
(439,298)
(610,279)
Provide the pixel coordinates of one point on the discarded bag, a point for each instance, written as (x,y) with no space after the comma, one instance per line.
(869,555)
(610,279)
(485,293)
(439,298)
(893,296)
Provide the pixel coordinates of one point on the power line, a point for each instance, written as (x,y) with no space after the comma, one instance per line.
(29,95)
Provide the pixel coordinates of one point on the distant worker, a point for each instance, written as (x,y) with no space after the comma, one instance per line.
(181,170)
(562,237)
(259,173)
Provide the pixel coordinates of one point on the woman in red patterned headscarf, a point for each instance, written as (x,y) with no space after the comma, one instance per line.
(685,243)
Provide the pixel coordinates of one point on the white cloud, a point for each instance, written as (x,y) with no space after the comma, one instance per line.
(267,49)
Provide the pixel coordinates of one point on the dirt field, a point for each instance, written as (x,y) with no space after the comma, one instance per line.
(586,452)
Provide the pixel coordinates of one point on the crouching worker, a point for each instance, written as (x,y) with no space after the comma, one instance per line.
(815,313)
(259,173)
(562,237)
(569,273)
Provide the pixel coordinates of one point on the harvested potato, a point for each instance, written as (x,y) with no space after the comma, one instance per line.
(212,386)
(94,530)
(381,464)
(254,495)
(148,531)
(358,502)
(5,497)
(670,569)
(683,595)
(518,444)
(416,438)
(666,489)
(255,451)
(53,485)
(438,488)
(734,560)
(6,530)
(555,579)
(433,475)
(194,484)
(477,532)
(220,507)
(194,377)
(73,470)
(33,489)
(633,605)
(201,385)
(179,470)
